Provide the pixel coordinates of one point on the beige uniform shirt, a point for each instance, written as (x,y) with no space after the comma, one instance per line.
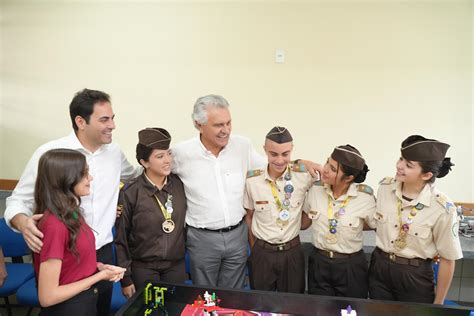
(360,209)
(434,229)
(258,197)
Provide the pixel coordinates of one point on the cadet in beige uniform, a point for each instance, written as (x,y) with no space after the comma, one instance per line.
(273,199)
(339,209)
(415,222)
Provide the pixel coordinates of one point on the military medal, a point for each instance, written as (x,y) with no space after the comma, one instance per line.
(405,222)
(168,226)
(283,207)
(331,236)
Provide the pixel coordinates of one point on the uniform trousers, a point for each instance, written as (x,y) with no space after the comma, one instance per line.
(406,280)
(83,304)
(342,275)
(277,268)
(218,258)
(175,273)
(104,255)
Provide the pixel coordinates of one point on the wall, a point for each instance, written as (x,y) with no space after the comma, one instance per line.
(368,73)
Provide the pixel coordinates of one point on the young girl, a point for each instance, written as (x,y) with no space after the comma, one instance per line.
(66,266)
(415,223)
(150,231)
(339,208)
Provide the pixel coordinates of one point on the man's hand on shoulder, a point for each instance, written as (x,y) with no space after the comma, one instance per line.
(27,225)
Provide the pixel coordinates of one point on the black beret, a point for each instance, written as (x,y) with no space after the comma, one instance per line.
(156,138)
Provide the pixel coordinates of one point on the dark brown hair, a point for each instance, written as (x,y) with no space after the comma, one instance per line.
(59,170)
(83,104)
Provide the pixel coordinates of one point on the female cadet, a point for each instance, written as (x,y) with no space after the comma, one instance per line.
(415,222)
(339,208)
(150,231)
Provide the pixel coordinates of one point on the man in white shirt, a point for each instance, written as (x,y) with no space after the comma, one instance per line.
(92,118)
(212,167)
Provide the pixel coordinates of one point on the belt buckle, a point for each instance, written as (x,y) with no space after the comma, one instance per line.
(281,247)
(392,257)
(331,254)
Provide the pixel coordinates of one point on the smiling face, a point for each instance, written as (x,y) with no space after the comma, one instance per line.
(98,131)
(279,156)
(216,132)
(410,172)
(332,173)
(83,187)
(159,162)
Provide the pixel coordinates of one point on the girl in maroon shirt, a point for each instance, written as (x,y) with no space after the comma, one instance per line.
(66,267)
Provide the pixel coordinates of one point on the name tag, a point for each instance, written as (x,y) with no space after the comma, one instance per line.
(261,202)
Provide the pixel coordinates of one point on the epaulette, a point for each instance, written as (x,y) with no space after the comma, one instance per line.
(387,180)
(365,188)
(254,173)
(298,167)
(445,202)
(318,183)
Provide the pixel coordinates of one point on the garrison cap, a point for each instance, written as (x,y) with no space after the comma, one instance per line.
(279,135)
(419,148)
(348,156)
(154,137)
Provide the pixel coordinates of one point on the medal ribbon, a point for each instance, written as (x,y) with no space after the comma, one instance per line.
(165,212)
(275,195)
(405,227)
(332,221)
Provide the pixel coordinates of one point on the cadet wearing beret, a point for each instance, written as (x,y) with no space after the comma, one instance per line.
(415,223)
(150,232)
(339,208)
(273,199)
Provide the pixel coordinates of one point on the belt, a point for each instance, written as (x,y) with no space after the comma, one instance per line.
(416,262)
(279,247)
(225,229)
(336,255)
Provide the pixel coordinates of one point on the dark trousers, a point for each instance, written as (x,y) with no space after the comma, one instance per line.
(277,270)
(345,276)
(176,273)
(393,281)
(83,304)
(104,255)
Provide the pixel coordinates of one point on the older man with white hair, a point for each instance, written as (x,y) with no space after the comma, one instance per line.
(212,167)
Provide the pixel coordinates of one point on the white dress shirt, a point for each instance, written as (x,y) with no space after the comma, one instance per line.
(214,186)
(107,166)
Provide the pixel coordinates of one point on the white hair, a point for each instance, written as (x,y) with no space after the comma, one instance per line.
(203,103)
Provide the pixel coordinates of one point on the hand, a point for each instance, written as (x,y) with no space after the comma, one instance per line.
(111,272)
(315,169)
(119,210)
(28,227)
(128,291)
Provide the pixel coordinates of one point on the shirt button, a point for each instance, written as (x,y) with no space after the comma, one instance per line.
(396,225)
(96,291)
(391,242)
(416,234)
(350,224)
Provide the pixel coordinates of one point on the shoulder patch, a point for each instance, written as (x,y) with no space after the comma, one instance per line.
(445,202)
(254,173)
(298,167)
(126,185)
(318,183)
(365,188)
(387,180)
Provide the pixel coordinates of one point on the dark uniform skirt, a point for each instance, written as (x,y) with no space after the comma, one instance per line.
(337,274)
(83,304)
(400,279)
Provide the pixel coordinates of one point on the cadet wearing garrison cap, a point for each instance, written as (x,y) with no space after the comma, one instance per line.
(150,231)
(339,207)
(415,223)
(273,199)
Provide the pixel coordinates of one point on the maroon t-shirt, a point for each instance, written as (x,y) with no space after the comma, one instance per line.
(55,246)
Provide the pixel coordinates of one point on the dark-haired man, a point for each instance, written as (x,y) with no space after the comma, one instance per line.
(92,119)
